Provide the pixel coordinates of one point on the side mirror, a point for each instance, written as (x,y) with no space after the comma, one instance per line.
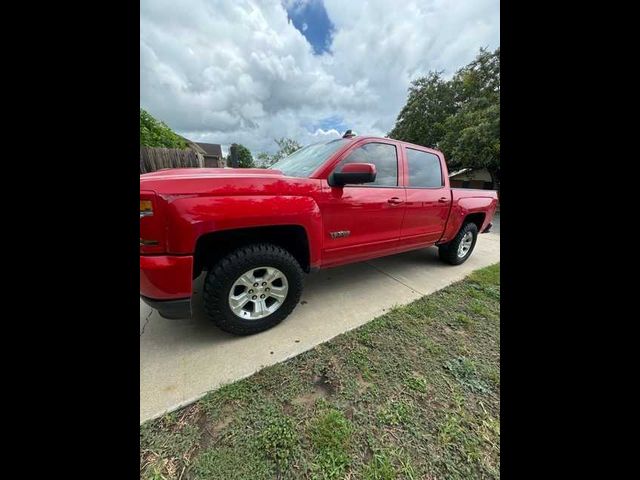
(353,173)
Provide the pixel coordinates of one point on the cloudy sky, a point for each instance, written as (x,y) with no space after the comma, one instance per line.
(249,71)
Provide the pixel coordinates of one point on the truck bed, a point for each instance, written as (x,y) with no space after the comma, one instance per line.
(473,192)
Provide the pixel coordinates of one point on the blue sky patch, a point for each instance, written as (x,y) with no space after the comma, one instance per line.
(335,122)
(311,19)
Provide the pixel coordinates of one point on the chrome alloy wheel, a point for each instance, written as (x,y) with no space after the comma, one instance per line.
(258,293)
(465,244)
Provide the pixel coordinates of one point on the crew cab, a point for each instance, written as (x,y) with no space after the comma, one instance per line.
(255,231)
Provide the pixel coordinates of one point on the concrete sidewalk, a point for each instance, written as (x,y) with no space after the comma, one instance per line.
(181,360)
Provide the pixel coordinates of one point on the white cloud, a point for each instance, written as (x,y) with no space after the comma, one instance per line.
(239,71)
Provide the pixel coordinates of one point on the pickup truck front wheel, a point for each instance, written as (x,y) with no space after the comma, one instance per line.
(252,289)
(459,249)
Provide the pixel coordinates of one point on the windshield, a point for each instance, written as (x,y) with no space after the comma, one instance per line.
(303,162)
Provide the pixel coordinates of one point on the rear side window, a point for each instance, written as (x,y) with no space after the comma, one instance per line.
(424,169)
(383,156)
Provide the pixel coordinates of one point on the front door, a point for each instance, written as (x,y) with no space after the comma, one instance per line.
(364,221)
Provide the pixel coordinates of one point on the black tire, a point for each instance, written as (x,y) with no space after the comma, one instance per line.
(449,251)
(223,274)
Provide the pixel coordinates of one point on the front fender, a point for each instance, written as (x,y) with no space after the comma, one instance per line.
(190,217)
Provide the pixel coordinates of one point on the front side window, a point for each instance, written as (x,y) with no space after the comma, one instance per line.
(424,169)
(383,156)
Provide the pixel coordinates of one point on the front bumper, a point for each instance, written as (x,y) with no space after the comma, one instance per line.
(172,309)
(165,284)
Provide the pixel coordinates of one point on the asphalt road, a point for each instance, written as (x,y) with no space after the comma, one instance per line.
(181,360)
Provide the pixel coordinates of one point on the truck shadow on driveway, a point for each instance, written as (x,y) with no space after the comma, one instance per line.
(334,291)
(338,295)
(319,286)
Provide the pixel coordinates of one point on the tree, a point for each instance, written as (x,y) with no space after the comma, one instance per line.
(154,133)
(460,116)
(239,156)
(480,79)
(431,101)
(286,147)
(473,140)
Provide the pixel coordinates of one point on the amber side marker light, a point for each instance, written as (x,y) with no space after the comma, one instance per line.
(146,208)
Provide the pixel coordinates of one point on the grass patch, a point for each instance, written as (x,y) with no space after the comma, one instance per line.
(395,412)
(413,394)
(380,468)
(229,463)
(417,384)
(330,436)
(278,438)
(465,371)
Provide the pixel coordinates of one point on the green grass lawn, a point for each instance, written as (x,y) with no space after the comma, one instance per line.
(413,394)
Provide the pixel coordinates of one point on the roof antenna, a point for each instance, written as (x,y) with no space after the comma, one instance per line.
(348,134)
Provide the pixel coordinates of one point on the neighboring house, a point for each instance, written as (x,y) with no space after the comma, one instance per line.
(200,152)
(469,178)
(196,155)
(212,155)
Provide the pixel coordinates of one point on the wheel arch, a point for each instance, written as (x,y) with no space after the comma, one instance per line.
(465,211)
(212,246)
(477,218)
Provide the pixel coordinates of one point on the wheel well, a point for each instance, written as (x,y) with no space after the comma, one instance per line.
(477,218)
(211,247)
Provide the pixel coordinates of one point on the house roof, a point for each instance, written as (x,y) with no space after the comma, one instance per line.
(192,145)
(211,149)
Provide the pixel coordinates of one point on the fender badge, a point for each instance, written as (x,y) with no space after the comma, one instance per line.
(340,234)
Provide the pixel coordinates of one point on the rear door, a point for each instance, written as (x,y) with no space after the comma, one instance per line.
(364,221)
(428,198)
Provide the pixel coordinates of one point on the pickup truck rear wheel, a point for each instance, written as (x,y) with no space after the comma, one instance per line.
(252,289)
(459,249)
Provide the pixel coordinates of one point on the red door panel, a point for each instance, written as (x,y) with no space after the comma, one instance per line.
(425,216)
(360,222)
(364,221)
(428,198)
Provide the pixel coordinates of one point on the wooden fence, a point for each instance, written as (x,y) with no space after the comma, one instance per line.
(152,159)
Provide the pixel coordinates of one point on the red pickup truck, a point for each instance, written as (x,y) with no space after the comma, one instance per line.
(256,231)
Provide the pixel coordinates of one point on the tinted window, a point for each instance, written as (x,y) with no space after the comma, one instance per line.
(303,162)
(424,169)
(383,156)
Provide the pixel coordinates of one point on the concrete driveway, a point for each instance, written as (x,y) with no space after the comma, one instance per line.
(181,360)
